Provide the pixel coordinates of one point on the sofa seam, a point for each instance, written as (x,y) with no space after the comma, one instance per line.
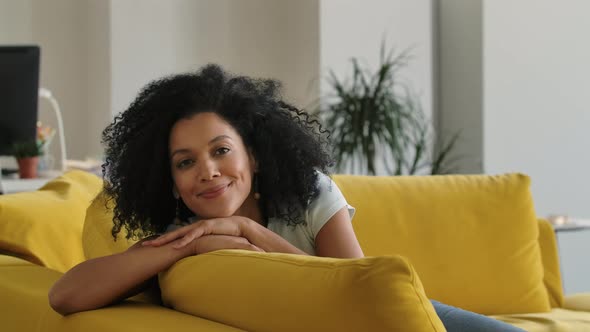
(353,262)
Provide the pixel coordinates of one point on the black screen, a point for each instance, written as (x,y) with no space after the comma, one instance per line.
(19,86)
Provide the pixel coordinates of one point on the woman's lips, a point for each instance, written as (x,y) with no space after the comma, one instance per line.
(214,192)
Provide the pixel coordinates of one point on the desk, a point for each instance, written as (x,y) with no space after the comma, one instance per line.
(9,185)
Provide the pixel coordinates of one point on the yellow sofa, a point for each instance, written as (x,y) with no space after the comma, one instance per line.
(468,241)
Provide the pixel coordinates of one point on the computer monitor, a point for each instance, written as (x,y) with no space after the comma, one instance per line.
(19,89)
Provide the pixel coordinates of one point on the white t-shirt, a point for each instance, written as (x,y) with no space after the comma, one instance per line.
(329,201)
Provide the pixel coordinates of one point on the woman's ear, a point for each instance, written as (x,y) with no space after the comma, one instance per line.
(253,161)
(175,192)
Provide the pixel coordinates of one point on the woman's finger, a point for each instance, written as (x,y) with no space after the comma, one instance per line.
(183,242)
(255,248)
(166,238)
(220,226)
(188,238)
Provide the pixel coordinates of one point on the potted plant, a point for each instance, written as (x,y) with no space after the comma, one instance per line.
(375,119)
(27,156)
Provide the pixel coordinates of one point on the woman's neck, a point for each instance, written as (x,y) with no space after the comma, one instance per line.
(251,209)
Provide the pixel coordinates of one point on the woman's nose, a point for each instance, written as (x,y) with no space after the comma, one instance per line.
(208,171)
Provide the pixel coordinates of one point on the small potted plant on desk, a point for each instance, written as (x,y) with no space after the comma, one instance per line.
(27,156)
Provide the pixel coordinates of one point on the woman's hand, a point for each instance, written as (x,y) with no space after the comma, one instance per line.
(231,226)
(208,243)
(235,226)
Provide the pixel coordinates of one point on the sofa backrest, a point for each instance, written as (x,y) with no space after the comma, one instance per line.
(469,237)
(472,239)
(97,239)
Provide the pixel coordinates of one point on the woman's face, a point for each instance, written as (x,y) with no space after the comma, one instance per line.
(211,168)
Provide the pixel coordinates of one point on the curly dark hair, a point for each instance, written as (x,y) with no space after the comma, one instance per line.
(289,145)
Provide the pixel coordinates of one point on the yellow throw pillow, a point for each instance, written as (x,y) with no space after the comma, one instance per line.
(472,239)
(96,235)
(281,292)
(45,226)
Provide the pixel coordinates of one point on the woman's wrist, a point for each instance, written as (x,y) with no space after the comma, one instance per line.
(177,254)
(248,229)
(266,239)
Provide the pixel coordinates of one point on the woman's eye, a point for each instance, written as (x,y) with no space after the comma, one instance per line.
(184,163)
(221,151)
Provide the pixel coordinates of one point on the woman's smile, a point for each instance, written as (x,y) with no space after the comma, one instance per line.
(214,191)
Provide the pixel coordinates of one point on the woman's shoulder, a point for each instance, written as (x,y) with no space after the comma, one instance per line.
(328,201)
(326,187)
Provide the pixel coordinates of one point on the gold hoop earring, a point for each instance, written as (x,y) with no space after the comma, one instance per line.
(255,187)
(177,220)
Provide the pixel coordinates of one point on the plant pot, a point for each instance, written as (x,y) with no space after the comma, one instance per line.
(27,167)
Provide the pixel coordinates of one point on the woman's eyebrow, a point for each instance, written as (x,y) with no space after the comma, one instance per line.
(179,151)
(213,141)
(219,138)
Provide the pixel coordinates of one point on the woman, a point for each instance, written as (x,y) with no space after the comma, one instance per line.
(226,151)
(214,162)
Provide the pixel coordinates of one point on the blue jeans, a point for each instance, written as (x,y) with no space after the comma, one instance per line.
(459,320)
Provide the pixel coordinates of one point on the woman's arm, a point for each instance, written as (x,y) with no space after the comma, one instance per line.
(337,239)
(105,280)
(101,281)
(268,240)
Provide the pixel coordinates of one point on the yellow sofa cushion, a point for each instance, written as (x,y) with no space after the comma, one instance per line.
(24,307)
(9,260)
(45,226)
(96,235)
(23,290)
(579,302)
(472,239)
(557,320)
(280,292)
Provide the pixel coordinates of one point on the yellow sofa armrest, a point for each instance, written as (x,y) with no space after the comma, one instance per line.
(578,302)
(24,307)
(550,257)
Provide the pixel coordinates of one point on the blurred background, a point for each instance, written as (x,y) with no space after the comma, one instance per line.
(511,77)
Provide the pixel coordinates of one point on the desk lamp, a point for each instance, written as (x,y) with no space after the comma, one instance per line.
(46,94)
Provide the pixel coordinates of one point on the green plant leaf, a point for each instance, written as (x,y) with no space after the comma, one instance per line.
(374,117)
(24,149)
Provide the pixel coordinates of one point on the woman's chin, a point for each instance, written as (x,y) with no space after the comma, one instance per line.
(216,214)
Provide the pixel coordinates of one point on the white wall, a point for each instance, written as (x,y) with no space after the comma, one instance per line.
(145,36)
(401,24)
(99,75)
(536,111)
(277,39)
(16,22)
(514,76)
(263,38)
